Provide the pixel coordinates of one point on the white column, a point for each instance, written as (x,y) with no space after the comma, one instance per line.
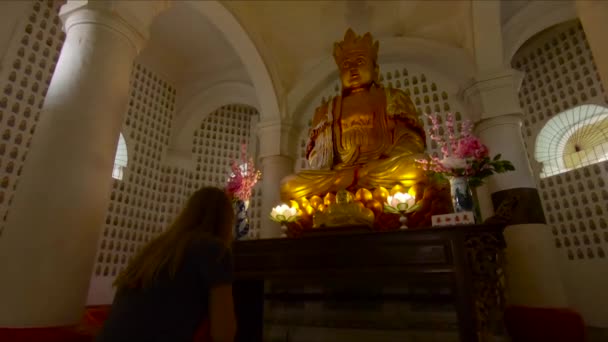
(48,247)
(593,15)
(507,128)
(274,168)
(533,277)
(277,148)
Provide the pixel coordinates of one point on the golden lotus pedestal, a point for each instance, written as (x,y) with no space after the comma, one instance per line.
(365,208)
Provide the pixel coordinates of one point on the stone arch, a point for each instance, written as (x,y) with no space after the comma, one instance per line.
(456,70)
(248,52)
(204,103)
(532,19)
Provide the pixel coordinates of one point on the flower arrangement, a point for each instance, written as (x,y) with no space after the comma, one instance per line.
(463,154)
(243,178)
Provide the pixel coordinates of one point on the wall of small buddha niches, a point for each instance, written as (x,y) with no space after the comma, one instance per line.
(28,66)
(427,95)
(151,193)
(146,200)
(560,74)
(217,142)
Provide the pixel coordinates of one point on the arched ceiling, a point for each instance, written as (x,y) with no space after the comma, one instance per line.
(186,48)
(508,8)
(295,37)
(300,33)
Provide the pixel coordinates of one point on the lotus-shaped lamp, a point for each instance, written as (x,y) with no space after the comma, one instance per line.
(284,214)
(402,204)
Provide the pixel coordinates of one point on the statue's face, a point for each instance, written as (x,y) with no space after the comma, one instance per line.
(357,70)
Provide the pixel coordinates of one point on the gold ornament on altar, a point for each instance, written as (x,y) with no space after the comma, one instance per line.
(344,212)
(364,142)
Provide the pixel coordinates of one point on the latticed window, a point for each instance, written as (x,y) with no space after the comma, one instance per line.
(121,158)
(572,139)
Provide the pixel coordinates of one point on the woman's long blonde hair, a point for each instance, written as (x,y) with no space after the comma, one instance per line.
(208,215)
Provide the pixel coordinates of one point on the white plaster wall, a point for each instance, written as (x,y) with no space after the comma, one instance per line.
(560,74)
(146,200)
(155,188)
(29,50)
(12,14)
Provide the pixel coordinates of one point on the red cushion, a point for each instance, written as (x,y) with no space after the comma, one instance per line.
(526,324)
(86,331)
(203,333)
(59,334)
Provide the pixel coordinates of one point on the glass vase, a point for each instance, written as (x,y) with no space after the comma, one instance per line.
(241,224)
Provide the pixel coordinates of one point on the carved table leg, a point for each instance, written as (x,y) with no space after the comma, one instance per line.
(485,257)
(463,289)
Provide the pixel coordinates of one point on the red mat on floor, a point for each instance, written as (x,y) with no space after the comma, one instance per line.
(84,332)
(526,324)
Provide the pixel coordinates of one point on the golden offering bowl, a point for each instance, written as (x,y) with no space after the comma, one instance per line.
(329,199)
(397,188)
(316,201)
(363,195)
(380,194)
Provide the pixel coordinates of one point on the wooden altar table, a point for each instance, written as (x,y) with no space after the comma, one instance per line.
(470,257)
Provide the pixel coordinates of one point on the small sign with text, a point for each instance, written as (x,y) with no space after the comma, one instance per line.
(453,219)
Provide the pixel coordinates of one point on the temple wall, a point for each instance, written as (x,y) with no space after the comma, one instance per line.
(30,48)
(560,74)
(154,186)
(150,193)
(153,192)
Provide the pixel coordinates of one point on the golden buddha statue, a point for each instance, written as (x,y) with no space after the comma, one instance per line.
(365,138)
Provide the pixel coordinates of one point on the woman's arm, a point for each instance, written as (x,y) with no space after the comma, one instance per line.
(221,313)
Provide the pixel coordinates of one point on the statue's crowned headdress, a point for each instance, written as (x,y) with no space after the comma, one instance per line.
(353,43)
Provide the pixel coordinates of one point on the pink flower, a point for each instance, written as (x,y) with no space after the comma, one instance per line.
(461,152)
(244,176)
(471,147)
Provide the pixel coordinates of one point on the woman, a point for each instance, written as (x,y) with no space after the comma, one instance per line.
(179,279)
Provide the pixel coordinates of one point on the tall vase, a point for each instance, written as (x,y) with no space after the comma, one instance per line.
(464,198)
(241,226)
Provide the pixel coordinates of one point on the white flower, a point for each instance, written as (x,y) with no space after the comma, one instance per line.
(401,201)
(283,212)
(454,163)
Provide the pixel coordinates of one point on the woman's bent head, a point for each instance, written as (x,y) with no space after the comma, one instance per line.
(208,214)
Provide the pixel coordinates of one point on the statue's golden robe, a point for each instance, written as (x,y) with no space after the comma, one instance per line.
(368,139)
